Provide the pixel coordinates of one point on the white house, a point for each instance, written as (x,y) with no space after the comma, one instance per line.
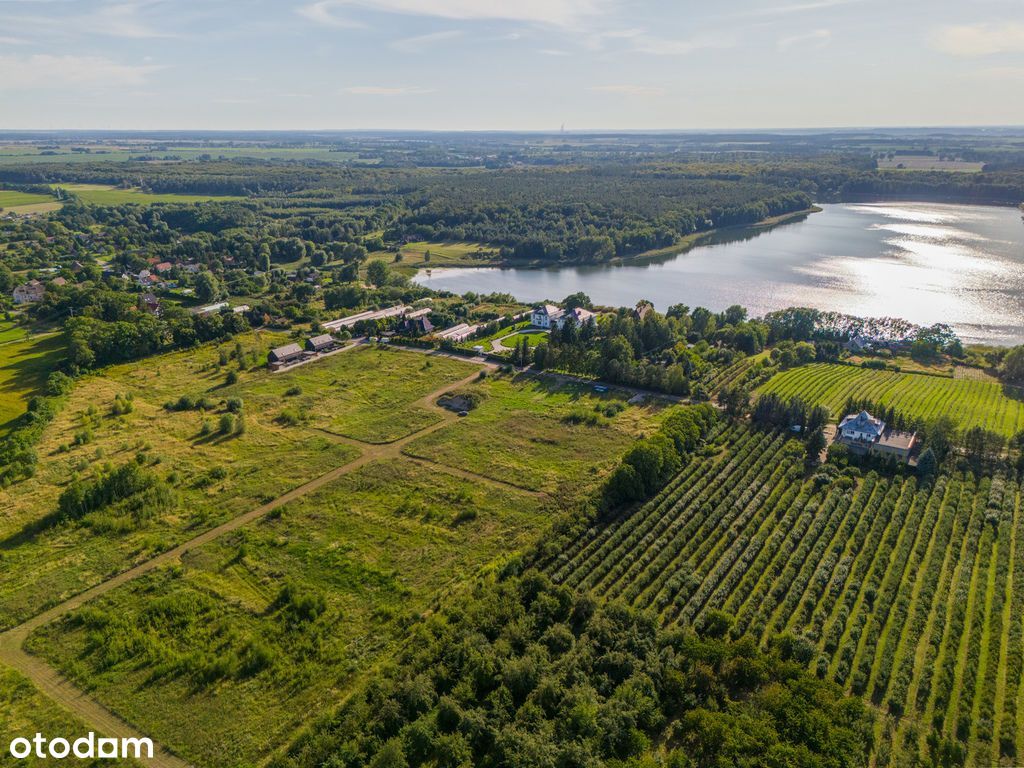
(862,427)
(546,316)
(579,315)
(29,292)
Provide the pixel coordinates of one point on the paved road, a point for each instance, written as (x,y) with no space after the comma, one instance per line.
(95,715)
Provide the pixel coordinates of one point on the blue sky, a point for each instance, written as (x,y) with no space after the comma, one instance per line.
(515,64)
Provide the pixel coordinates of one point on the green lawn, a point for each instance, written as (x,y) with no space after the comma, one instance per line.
(174,651)
(970,402)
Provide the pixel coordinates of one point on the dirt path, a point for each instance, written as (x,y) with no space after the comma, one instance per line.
(95,715)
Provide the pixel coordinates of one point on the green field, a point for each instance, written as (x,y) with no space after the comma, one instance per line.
(24,711)
(971,403)
(377,547)
(524,432)
(19,154)
(908,595)
(26,202)
(9,199)
(102,194)
(346,394)
(25,364)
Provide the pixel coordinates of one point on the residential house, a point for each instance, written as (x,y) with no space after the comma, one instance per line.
(417,326)
(59,281)
(150,304)
(546,316)
(29,292)
(163,266)
(642,310)
(322,343)
(580,316)
(862,433)
(281,356)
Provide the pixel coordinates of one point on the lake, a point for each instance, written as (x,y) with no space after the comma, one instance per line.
(925,262)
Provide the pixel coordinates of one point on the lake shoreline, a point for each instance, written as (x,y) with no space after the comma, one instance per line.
(682,246)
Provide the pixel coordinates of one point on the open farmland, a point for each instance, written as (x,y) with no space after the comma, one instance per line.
(258,630)
(908,594)
(972,403)
(102,194)
(26,202)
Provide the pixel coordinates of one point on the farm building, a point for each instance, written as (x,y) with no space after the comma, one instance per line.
(457,333)
(29,292)
(281,356)
(322,343)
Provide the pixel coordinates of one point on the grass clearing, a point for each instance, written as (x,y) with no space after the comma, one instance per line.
(25,363)
(368,394)
(24,711)
(102,194)
(534,433)
(971,402)
(365,556)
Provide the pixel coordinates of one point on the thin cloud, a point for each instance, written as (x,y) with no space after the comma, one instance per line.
(44,71)
(818,38)
(553,52)
(323,13)
(420,43)
(811,5)
(979,39)
(562,13)
(660,46)
(12,41)
(383,90)
(629,90)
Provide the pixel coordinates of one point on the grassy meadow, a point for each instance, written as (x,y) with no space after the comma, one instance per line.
(538,435)
(102,194)
(258,631)
(970,402)
(26,202)
(368,394)
(25,363)
(24,711)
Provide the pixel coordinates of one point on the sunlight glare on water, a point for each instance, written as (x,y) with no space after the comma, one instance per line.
(926,262)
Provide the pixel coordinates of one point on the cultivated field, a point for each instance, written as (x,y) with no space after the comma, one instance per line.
(101,194)
(911,596)
(927,163)
(970,402)
(26,202)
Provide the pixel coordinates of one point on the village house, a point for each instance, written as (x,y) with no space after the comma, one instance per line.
(150,304)
(864,434)
(29,292)
(163,266)
(417,326)
(59,281)
(281,356)
(546,316)
(643,309)
(322,343)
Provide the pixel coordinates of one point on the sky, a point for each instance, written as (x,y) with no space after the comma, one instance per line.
(509,64)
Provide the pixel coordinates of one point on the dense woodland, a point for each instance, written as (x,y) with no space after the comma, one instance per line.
(530,675)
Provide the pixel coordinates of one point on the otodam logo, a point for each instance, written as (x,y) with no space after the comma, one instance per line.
(88,747)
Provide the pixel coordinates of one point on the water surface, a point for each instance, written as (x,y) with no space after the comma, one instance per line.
(926,262)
